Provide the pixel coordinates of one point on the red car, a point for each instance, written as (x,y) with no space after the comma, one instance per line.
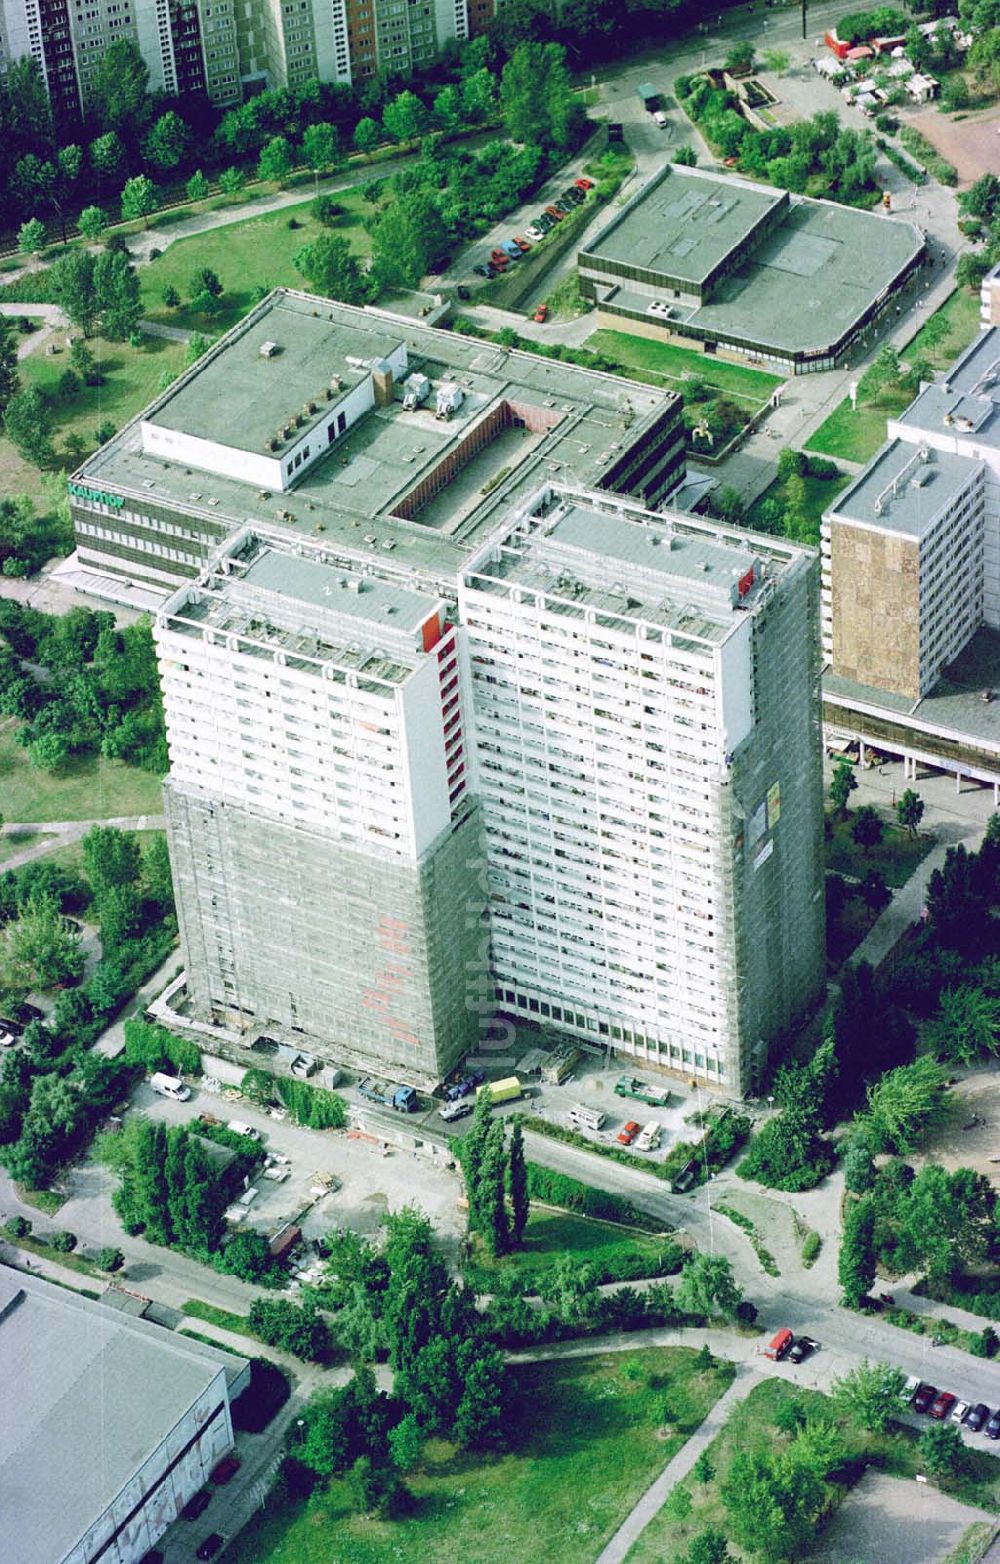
(583,183)
(628,1132)
(541,314)
(923,1396)
(522,244)
(555,213)
(225,1470)
(942,1405)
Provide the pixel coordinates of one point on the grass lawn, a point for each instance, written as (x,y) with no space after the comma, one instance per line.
(18,841)
(255,252)
(552,1233)
(672,363)
(566,301)
(591,1446)
(895,857)
(753,1428)
(820,494)
(857,435)
(88,789)
(132,377)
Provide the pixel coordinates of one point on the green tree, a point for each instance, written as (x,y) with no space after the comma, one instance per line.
(406,1443)
(28,423)
(866,827)
(942,1450)
(92,222)
(149,1180)
(686,156)
(773,1503)
(474,1147)
(107,154)
(275,162)
(856,1261)
(819,1444)
(910,810)
(404,118)
(884,374)
(517,1183)
(321,149)
(366,136)
(109,1259)
(729,505)
(967,1025)
(117,287)
(71,280)
(10,380)
(859,1168)
(707,1286)
(984,57)
(842,785)
(405,238)
(121,918)
(703,1471)
(480,1415)
(110,857)
(31,237)
(787,1153)
(868,1395)
(491,1206)
(536,98)
(83,361)
(120,99)
(197,187)
(776,60)
(205,280)
(140,198)
(904,1103)
(448,108)
(171,297)
(949,1220)
(166,145)
(708,1547)
(232,181)
(331,268)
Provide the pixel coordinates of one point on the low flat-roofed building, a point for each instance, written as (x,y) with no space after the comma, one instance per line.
(747,270)
(110,1425)
(298,420)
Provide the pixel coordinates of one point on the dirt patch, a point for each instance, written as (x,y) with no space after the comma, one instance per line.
(896,1522)
(970,1137)
(972,144)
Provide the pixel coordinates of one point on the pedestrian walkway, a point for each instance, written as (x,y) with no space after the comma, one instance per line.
(61,833)
(676,1470)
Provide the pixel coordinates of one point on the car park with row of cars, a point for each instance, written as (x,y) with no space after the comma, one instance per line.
(928,1400)
(509,250)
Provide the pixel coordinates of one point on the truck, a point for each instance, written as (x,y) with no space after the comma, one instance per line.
(648,97)
(779,1345)
(642,1091)
(402,1098)
(583,1118)
(507,1090)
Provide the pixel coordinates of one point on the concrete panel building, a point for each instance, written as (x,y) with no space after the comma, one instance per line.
(646,714)
(746,270)
(111,1424)
(911,580)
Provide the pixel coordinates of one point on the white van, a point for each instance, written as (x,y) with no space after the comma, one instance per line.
(584,1118)
(660,119)
(239,1128)
(170,1086)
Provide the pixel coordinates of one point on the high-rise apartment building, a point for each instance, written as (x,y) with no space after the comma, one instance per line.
(227,48)
(911,579)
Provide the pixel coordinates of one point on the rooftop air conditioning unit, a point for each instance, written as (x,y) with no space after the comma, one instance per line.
(268,349)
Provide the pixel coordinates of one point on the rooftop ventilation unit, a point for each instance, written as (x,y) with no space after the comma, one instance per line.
(268,349)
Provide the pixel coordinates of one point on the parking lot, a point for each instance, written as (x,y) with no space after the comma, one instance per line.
(896,1522)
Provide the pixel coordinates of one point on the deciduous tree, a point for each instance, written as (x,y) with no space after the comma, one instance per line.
(869,1394)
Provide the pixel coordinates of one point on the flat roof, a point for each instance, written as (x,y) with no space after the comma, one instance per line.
(89,1394)
(667,570)
(903,488)
(955,705)
(965,399)
(332,593)
(685,223)
(349,495)
(241,397)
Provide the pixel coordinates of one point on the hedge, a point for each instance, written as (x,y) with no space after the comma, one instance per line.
(315,1107)
(557,1189)
(154,1048)
(914,142)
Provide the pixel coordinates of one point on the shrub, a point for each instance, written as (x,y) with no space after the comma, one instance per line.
(63,1242)
(109,1259)
(154,1048)
(811,1245)
(17,1227)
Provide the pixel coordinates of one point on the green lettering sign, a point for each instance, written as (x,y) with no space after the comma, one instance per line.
(99,496)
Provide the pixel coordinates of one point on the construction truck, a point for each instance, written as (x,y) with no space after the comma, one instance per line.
(641,1091)
(402,1098)
(507,1090)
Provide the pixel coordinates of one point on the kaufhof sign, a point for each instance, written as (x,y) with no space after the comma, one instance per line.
(99,496)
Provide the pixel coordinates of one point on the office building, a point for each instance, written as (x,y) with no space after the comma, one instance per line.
(911,580)
(748,271)
(228,49)
(111,1424)
(646,716)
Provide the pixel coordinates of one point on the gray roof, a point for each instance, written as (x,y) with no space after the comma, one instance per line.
(684,223)
(965,401)
(955,704)
(89,1394)
(904,488)
(364,599)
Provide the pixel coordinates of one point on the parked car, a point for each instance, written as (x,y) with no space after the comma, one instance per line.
(197,1504)
(485,269)
(512,250)
(23,1014)
(521,243)
(450,1111)
(628,1132)
(7,1039)
(960,1411)
(463,292)
(907,1393)
(212,1545)
(152,1556)
(803,1348)
(12,1026)
(225,1470)
(943,1404)
(562,205)
(993,1426)
(978,1416)
(555,212)
(545,221)
(541,314)
(534,232)
(924,1396)
(459,1089)
(499,257)
(583,183)
(574,196)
